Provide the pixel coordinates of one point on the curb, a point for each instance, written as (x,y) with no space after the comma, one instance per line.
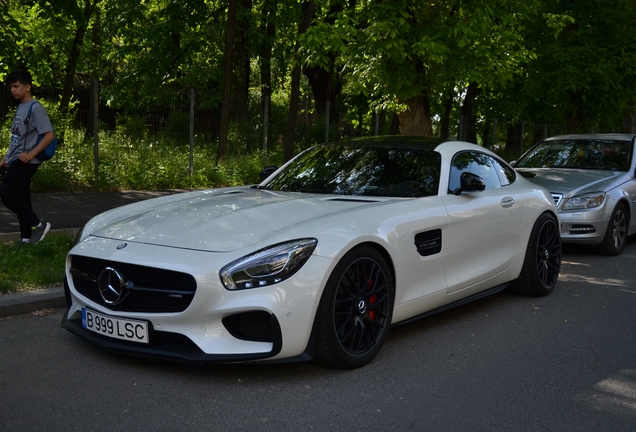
(29,301)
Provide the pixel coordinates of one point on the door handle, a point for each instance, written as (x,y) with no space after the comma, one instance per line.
(507,202)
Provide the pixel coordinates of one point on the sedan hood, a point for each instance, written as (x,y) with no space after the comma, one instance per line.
(571,182)
(223,220)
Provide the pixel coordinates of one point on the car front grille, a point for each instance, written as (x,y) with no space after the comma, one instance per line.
(557,199)
(149,289)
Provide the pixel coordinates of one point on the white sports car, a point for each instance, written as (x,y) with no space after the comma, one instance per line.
(318,260)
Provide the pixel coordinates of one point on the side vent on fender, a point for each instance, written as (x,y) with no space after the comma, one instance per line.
(429,242)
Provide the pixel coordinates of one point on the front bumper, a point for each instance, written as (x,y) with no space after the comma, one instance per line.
(168,346)
(218,325)
(584,227)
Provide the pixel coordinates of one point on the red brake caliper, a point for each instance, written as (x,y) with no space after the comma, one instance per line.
(372,300)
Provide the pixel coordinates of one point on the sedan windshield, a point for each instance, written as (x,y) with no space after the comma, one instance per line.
(362,170)
(596,154)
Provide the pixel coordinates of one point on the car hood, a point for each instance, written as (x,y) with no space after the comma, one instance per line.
(223,220)
(571,182)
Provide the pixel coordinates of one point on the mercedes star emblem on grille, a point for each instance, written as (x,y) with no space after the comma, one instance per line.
(112,286)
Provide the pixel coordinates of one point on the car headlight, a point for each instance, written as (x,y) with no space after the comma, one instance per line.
(268,266)
(584,201)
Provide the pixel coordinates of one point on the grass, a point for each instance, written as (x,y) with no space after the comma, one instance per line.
(25,267)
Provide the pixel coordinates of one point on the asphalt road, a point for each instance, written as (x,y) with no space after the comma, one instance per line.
(566,362)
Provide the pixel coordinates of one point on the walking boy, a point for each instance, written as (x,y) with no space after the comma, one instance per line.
(21,157)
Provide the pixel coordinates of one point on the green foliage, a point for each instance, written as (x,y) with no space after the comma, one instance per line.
(585,76)
(24,266)
(130,159)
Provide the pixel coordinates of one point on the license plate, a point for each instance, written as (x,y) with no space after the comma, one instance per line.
(119,328)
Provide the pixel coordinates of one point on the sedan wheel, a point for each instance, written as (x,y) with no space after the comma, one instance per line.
(616,235)
(354,314)
(542,262)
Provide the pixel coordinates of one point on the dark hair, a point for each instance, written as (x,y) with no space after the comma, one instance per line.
(22,76)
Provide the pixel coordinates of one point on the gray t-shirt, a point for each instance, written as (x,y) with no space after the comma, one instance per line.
(24,135)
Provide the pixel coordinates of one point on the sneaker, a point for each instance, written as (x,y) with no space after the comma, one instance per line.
(39,232)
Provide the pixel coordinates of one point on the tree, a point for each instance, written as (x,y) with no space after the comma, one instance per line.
(584,75)
(404,52)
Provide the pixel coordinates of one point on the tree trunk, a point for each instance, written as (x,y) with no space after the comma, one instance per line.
(320,81)
(268,28)
(630,119)
(444,124)
(241,52)
(221,153)
(294,98)
(513,137)
(467,128)
(73,56)
(416,120)
(96,56)
(394,126)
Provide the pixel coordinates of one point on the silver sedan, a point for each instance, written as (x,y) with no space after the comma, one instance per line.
(591,178)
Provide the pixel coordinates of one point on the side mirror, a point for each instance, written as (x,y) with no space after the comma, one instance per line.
(268,171)
(469,182)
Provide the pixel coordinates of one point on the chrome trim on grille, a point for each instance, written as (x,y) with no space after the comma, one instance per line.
(557,199)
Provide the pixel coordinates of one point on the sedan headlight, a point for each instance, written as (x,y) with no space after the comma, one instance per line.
(268,266)
(586,201)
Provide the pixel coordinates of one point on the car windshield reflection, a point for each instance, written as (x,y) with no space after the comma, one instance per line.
(362,170)
(594,154)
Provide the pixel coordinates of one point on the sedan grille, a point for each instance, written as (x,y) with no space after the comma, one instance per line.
(148,289)
(557,199)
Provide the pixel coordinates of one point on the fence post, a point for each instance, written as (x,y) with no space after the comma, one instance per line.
(265,126)
(327,118)
(523,129)
(191,171)
(96,130)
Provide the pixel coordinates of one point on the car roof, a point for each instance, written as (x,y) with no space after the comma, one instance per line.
(613,136)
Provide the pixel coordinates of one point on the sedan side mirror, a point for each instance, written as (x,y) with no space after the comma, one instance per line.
(268,171)
(470,182)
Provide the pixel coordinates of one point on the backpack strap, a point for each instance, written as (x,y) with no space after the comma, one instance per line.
(27,121)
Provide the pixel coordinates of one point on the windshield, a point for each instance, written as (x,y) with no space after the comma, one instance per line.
(361,170)
(597,154)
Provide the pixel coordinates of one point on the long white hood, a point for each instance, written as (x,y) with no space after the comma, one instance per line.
(220,221)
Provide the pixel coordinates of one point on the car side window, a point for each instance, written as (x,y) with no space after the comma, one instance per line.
(476,163)
(506,174)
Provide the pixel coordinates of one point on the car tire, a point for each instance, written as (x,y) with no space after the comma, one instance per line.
(355,310)
(616,235)
(542,262)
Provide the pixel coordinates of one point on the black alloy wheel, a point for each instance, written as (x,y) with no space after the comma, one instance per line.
(542,262)
(355,310)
